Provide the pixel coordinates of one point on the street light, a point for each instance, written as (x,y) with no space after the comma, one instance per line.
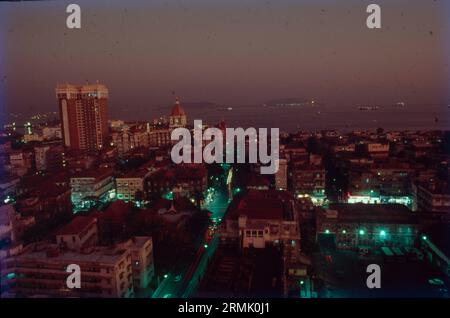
(361,232)
(166,275)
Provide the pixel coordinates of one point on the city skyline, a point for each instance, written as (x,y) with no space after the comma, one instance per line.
(234,53)
(259,151)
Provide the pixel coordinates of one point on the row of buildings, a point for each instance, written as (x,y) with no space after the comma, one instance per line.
(40,269)
(84,121)
(53,171)
(367,168)
(357,190)
(360,191)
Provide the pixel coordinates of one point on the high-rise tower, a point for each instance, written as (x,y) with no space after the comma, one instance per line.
(84,115)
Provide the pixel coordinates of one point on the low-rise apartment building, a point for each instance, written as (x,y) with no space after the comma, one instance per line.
(132,183)
(39,269)
(431,197)
(89,186)
(259,218)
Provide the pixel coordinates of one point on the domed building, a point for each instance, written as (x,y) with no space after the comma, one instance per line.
(177,116)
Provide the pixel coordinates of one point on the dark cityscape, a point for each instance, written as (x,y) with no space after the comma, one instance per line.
(95,204)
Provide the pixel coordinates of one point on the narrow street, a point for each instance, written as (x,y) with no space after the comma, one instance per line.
(185,284)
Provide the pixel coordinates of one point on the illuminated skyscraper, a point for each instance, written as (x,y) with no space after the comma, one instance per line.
(84,115)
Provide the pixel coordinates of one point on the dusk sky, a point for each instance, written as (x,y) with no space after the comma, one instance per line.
(230,52)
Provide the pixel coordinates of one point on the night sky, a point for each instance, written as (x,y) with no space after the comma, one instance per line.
(231,52)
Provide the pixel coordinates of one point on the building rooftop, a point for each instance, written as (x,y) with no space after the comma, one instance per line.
(137,173)
(80,88)
(299,146)
(50,190)
(369,213)
(116,212)
(140,241)
(98,174)
(177,110)
(300,166)
(77,225)
(264,204)
(180,173)
(99,255)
